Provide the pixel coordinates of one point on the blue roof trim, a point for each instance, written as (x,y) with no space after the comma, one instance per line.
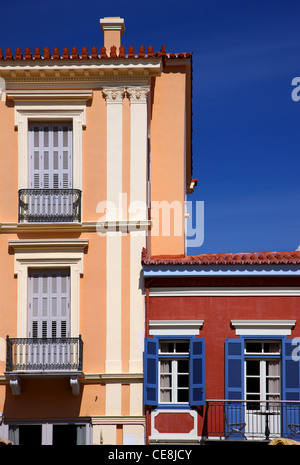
(221,270)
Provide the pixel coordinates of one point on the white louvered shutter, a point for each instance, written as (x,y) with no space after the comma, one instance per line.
(51,167)
(50,156)
(49,304)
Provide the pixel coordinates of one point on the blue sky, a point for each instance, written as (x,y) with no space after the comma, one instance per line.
(246,127)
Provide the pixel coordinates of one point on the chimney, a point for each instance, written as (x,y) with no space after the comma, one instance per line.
(113,29)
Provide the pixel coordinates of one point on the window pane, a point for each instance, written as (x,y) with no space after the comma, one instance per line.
(30,435)
(253,347)
(182,347)
(253,385)
(183,395)
(166,347)
(272,347)
(64,435)
(165,395)
(252,367)
(183,381)
(183,366)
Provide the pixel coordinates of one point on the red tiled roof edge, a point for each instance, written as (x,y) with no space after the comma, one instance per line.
(95,54)
(256,258)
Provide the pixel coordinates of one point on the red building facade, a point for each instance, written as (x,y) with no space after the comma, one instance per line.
(221,347)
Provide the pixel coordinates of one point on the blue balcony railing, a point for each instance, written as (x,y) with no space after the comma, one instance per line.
(255,420)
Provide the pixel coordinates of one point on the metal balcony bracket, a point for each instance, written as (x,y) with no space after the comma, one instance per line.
(75,387)
(15,384)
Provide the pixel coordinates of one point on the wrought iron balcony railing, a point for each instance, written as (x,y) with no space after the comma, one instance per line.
(44,354)
(49,206)
(255,420)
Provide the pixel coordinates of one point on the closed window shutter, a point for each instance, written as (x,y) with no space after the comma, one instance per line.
(50,156)
(49,304)
(151,372)
(290,385)
(197,372)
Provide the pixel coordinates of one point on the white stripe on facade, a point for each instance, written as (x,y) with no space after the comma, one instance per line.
(137,212)
(114,105)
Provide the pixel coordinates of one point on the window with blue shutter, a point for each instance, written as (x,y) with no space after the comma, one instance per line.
(151,372)
(174,371)
(290,388)
(234,369)
(197,391)
(234,412)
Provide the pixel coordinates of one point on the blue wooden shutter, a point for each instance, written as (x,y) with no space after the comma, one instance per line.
(234,369)
(290,386)
(151,372)
(197,371)
(234,385)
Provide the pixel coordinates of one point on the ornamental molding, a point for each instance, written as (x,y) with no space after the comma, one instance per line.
(49,94)
(175,327)
(114,94)
(223,291)
(118,420)
(138,94)
(73,70)
(86,226)
(189,437)
(24,244)
(263,327)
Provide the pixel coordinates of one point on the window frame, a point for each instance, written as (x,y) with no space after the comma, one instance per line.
(39,254)
(174,358)
(196,372)
(263,357)
(47,429)
(47,324)
(50,106)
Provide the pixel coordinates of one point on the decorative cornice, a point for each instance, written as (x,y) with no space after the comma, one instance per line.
(53,95)
(223,291)
(29,244)
(175,327)
(95,378)
(95,66)
(258,327)
(87,226)
(118,420)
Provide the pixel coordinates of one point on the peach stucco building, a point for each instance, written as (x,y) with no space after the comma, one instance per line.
(95,150)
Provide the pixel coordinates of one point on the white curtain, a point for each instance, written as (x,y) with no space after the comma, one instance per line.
(273,380)
(165,381)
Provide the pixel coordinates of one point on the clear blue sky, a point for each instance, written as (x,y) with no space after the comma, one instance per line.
(246,127)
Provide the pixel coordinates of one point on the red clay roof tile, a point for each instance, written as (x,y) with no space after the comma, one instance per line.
(95,53)
(256,258)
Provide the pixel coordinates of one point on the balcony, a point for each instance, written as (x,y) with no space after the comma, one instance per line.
(43,357)
(258,421)
(49,206)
